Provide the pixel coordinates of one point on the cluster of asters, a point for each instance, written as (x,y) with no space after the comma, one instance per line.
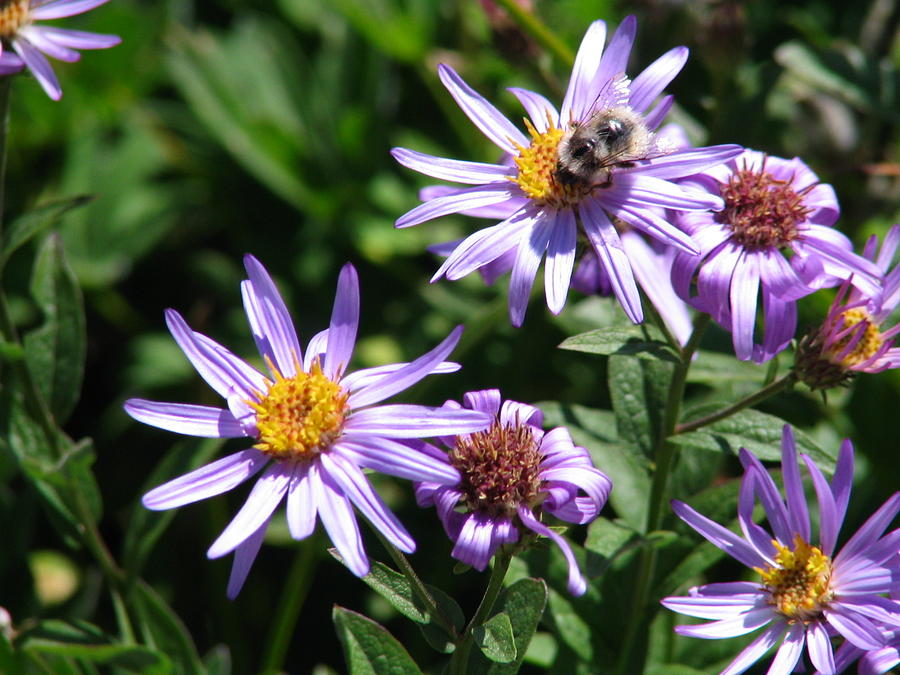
(730,232)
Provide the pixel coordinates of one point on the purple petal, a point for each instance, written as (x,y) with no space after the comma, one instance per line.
(475,542)
(789,653)
(339,521)
(560,260)
(261,502)
(578,96)
(870,531)
(754,651)
(366,376)
(207,481)
(407,376)
(798,514)
(636,188)
(486,245)
(483,114)
(855,628)
(183,418)
(528,258)
(828,522)
(577,584)
(542,113)
(301,503)
(615,59)
(719,536)
(744,289)
(244,555)
(732,627)
(10,63)
(63,8)
(474,173)
(588,479)
(344,322)
(842,481)
(269,319)
(756,535)
(397,459)
(608,247)
(686,162)
(485,400)
(461,200)
(770,498)
(78,39)
(39,67)
(415,421)
(656,77)
(720,608)
(820,652)
(648,221)
(354,485)
(35,36)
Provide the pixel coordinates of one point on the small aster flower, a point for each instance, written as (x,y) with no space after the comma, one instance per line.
(510,473)
(314,427)
(30,41)
(596,158)
(806,594)
(771,205)
(850,340)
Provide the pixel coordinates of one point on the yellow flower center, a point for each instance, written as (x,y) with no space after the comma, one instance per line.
(299,416)
(13,15)
(868,345)
(800,584)
(537,168)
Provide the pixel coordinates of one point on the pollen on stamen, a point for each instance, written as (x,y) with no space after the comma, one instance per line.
(13,15)
(299,416)
(537,166)
(799,584)
(762,211)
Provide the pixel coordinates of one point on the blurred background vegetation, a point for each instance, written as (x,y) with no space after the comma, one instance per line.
(226,126)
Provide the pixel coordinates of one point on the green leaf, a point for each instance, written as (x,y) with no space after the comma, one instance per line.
(161,628)
(643,342)
(55,352)
(29,225)
(401,32)
(604,542)
(80,640)
(758,432)
(639,391)
(495,638)
(601,424)
(523,602)
(369,648)
(397,590)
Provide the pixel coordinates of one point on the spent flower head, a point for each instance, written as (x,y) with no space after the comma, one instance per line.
(30,41)
(314,427)
(772,206)
(508,475)
(596,158)
(806,594)
(851,339)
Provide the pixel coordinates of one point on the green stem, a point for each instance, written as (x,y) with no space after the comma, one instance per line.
(460,659)
(664,452)
(293,596)
(418,586)
(5,85)
(746,402)
(538,30)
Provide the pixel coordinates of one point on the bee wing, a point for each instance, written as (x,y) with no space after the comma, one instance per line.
(614,92)
(614,158)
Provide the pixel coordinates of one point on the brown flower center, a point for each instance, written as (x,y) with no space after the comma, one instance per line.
(13,15)
(762,211)
(500,468)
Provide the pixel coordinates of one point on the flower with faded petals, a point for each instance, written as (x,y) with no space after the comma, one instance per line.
(772,206)
(313,426)
(596,158)
(806,594)
(509,474)
(31,41)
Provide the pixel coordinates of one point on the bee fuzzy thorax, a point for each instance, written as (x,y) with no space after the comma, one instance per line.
(608,138)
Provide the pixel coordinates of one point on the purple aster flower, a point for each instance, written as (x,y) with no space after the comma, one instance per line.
(30,42)
(596,158)
(875,661)
(771,205)
(314,427)
(850,339)
(508,475)
(806,594)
